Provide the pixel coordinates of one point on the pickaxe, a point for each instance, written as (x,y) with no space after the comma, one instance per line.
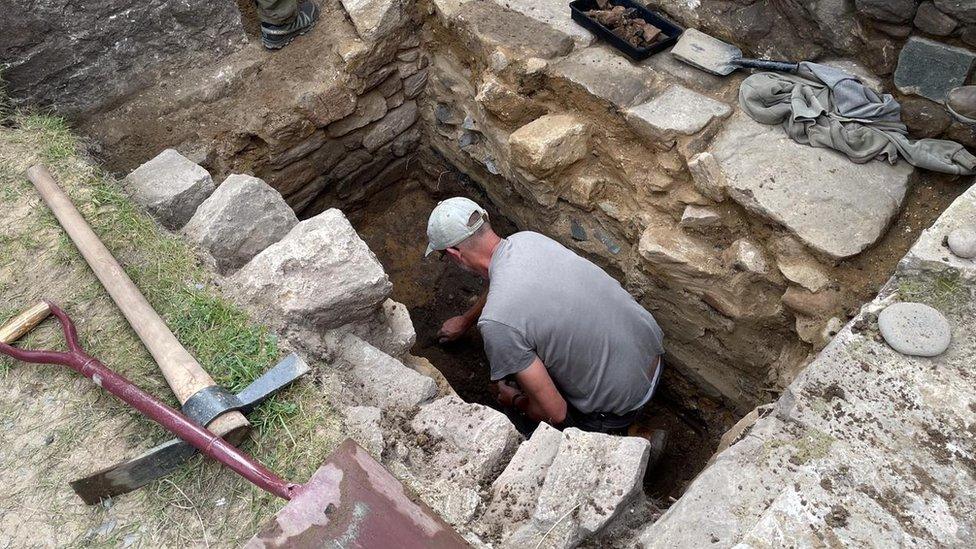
(202,400)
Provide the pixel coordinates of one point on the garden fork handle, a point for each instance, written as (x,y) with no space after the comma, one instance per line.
(19,325)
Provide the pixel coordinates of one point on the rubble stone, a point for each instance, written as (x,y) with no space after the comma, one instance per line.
(924,118)
(370,108)
(591,479)
(475,440)
(700,217)
(320,275)
(507,105)
(915,329)
(389,329)
(393,124)
(929,19)
(892,11)
(676,111)
(707,176)
(170,187)
(930,69)
(798,267)
(549,143)
(601,72)
(746,256)
(375,19)
(963,10)
(382,380)
(240,219)
(414,84)
(363,425)
(769,174)
(487,28)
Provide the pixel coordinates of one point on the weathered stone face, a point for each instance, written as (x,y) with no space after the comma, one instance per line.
(930,69)
(240,219)
(601,72)
(807,190)
(170,187)
(320,275)
(676,111)
(549,143)
(382,380)
(77,58)
(487,27)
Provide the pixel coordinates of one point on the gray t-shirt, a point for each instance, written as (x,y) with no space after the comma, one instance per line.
(597,343)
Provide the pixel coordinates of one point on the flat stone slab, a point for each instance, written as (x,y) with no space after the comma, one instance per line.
(915,329)
(486,27)
(554,13)
(930,69)
(601,72)
(170,187)
(834,206)
(374,19)
(676,111)
(382,380)
(549,143)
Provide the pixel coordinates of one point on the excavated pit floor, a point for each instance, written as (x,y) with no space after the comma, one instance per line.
(434,290)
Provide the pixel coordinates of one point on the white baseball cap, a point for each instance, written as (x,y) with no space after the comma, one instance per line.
(448,223)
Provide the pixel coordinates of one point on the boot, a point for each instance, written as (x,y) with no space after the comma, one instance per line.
(961,103)
(275,37)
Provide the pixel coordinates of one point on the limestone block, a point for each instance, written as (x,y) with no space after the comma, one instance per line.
(375,19)
(382,380)
(930,69)
(700,217)
(393,124)
(591,479)
(549,143)
(747,257)
(707,176)
(584,189)
(798,267)
(507,105)
(677,111)
(808,190)
(677,252)
(554,14)
(370,108)
(487,28)
(515,492)
(475,441)
(240,219)
(363,425)
(320,275)
(389,329)
(170,187)
(929,252)
(601,72)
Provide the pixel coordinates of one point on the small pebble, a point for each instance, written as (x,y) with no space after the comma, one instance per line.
(914,329)
(49,439)
(962,243)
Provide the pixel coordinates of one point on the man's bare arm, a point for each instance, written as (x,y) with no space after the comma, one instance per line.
(541,401)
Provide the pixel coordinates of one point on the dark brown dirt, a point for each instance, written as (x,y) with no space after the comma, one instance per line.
(434,290)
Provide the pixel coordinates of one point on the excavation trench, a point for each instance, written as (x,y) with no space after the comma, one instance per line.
(394,226)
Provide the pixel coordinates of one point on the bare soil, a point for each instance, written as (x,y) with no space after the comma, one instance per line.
(434,290)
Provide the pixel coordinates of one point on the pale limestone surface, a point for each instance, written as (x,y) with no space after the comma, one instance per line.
(170,187)
(807,190)
(383,381)
(677,111)
(240,219)
(603,73)
(375,19)
(363,424)
(555,14)
(549,143)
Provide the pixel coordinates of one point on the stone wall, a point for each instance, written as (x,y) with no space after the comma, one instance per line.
(940,36)
(327,122)
(78,58)
(717,224)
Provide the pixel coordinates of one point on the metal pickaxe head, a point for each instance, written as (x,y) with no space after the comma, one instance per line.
(202,407)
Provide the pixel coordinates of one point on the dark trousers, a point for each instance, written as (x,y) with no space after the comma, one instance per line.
(596,422)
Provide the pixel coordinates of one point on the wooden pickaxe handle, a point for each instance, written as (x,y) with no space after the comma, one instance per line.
(183,373)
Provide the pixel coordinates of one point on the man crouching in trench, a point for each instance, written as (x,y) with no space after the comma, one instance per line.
(566,343)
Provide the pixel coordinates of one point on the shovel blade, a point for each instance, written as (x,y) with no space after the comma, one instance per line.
(706,52)
(353,501)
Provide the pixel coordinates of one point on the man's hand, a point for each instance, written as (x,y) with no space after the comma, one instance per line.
(453,328)
(507,391)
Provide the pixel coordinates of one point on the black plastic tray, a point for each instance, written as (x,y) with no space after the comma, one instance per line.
(669,29)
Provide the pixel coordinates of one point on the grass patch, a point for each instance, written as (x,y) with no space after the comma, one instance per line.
(943,290)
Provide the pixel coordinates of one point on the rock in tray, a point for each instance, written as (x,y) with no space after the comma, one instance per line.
(625,23)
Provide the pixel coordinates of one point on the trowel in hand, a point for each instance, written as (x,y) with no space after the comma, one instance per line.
(712,55)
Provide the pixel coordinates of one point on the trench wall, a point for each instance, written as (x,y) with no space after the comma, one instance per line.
(78,58)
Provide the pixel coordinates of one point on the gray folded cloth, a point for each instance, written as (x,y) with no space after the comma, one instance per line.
(825,107)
